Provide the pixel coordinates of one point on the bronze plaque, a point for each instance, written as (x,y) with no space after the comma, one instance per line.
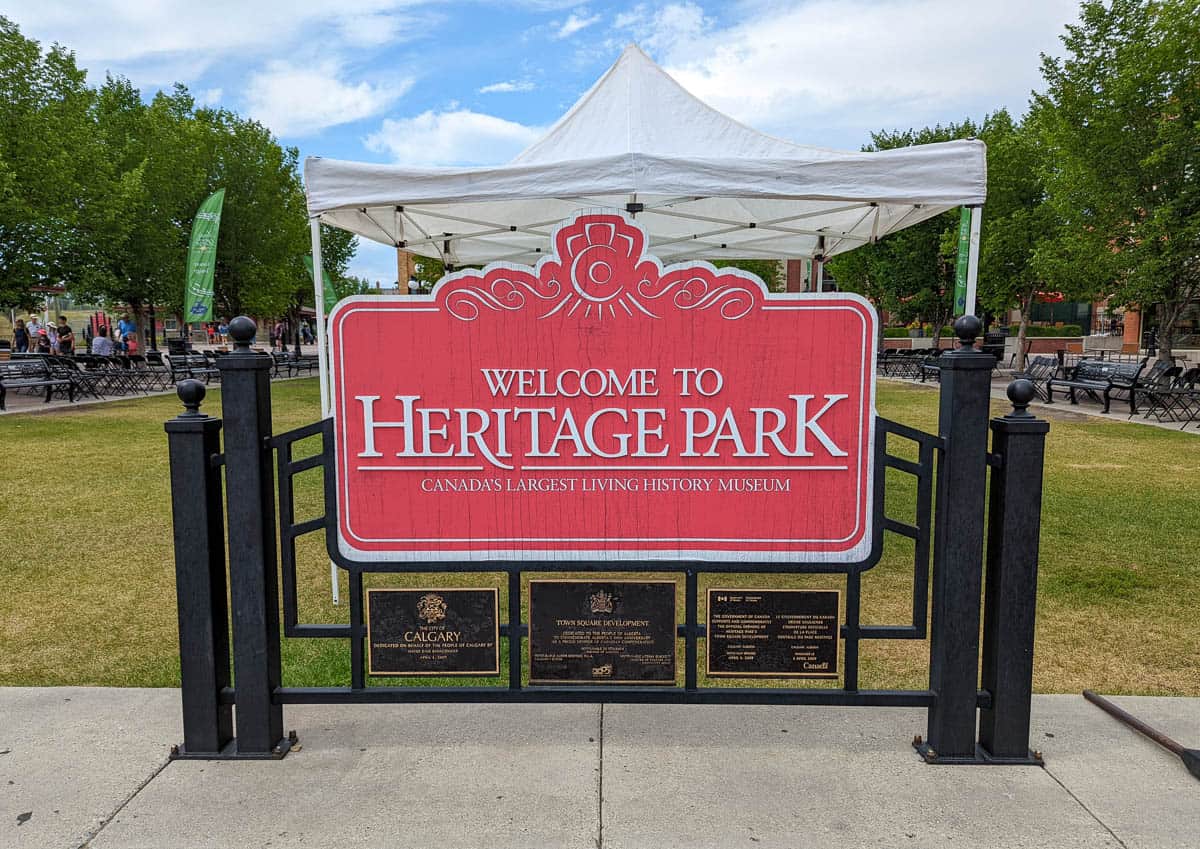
(773,633)
(601,632)
(450,631)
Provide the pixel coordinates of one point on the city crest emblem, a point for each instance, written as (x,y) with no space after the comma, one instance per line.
(600,602)
(431,608)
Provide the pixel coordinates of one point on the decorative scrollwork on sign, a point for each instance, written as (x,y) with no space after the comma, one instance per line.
(498,292)
(599,269)
(692,291)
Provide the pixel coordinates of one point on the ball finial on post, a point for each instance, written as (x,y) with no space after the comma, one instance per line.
(191,392)
(967,328)
(242,329)
(1021,392)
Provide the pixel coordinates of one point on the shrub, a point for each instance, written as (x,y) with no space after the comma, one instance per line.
(1037,330)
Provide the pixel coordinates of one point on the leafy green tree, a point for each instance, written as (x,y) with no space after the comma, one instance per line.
(910,273)
(1017,222)
(1120,120)
(50,168)
(767,270)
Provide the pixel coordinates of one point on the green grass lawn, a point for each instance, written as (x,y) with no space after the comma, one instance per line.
(87,586)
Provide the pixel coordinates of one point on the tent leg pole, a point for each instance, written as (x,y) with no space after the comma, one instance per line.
(322,360)
(973,259)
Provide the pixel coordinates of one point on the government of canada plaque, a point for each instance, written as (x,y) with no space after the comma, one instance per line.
(773,633)
(433,632)
(601,632)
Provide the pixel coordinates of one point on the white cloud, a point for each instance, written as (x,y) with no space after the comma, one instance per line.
(507,86)
(167,40)
(298,100)
(844,67)
(459,137)
(574,24)
(209,97)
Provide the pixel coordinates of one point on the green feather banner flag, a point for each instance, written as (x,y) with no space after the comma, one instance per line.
(331,297)
(202,259)
(964,253)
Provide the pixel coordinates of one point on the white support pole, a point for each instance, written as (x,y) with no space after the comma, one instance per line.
(322,360)
(973,258)
(319,289)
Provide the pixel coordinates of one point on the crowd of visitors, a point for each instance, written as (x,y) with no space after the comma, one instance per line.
(31,336)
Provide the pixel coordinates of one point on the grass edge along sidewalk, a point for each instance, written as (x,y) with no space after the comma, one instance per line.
(87,591)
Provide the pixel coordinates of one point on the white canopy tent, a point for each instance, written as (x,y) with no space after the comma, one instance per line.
(702,185)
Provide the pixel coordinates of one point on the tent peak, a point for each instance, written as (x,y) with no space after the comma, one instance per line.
(636,107)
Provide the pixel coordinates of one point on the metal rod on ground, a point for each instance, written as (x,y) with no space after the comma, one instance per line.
(1190,757)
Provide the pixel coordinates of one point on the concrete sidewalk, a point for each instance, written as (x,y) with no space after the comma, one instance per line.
(88,767)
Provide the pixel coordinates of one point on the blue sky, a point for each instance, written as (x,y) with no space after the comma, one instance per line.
(436,83)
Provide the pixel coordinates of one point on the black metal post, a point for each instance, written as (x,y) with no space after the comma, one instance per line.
(966,376)
(153,328)
(1009,609)
(253,573)
(199,533)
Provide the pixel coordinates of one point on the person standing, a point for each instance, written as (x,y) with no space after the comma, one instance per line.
(126,329)
(20,337)
(34,327)
(66,337)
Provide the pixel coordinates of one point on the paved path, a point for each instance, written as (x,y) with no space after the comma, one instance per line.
(82,767)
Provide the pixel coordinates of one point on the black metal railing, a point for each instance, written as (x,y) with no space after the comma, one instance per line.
(947,540)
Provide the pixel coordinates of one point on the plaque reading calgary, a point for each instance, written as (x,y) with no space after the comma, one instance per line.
(601,632)
(432,632)
(773,633)
(603,406)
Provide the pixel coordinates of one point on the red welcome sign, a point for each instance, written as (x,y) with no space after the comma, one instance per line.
(603,406)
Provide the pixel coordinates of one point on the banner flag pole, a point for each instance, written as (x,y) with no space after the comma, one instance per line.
(973,259)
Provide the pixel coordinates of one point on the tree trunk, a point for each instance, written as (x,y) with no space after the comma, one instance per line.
(1026,309)
(136,308)
(1168,317)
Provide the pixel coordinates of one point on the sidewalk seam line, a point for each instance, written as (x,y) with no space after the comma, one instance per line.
(105,822)
(1090,812)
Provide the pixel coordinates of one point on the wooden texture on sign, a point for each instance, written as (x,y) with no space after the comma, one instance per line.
(440,631)
(771,633)
(604,406)
(601,632)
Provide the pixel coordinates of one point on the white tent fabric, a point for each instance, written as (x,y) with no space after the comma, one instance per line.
(702,184)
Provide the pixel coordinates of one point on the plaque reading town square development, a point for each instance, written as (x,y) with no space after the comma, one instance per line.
(432,632)
(773,633)
(601,632)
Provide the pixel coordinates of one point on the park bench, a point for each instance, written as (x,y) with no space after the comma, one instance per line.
(191,364)
(1099,379)
(292,363)
(1160,370)
(31,373)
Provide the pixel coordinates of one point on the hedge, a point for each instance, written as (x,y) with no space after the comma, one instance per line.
(1038,330)
(1030,331)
